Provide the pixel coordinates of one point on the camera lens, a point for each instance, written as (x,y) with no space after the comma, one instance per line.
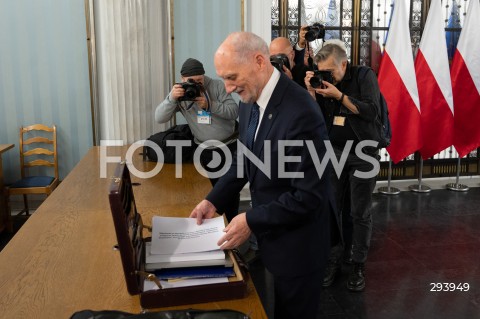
(316,81)
(314,32)
(191,93)
(280,60)
(311,35)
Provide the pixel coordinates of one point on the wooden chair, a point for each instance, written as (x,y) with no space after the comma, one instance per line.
(38,148)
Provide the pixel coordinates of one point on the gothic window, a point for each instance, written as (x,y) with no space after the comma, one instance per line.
(362,25)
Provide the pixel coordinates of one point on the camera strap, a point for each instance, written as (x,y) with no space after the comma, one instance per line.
(310,59)
(189,106)
(193,102)
(208,100)
(204,116)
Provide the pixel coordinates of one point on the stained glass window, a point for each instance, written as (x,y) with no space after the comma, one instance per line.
(363,25)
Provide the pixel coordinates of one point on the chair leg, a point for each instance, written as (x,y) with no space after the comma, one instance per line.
(25,203)
(9,213)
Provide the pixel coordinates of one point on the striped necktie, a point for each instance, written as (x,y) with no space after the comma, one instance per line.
(252,125)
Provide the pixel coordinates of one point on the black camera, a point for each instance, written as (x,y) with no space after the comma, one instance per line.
(319,76)
(314,32)
(192,90)
(279,60)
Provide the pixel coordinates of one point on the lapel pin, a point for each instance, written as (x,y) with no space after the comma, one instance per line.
(270,116)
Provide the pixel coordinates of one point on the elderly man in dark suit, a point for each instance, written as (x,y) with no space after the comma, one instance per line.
(291,201)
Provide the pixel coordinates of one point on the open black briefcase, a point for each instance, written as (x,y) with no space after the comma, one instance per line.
(129,229)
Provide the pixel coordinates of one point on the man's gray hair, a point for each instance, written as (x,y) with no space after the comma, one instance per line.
(246,44)
(333,47)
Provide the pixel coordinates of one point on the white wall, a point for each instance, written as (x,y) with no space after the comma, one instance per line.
(44,77)
(258,18)
(44,64)
(201,26)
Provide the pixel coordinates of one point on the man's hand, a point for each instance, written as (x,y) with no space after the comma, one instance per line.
(203,210)
(328,90)
(309,87)
(177,92)
(287,72)
(236,233)
(308,54)
(202,102)
(301,36)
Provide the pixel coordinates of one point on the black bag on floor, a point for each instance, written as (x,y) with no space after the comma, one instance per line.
(176,132)
(168,314)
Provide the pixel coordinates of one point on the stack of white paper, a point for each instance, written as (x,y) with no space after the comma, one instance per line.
(180,242)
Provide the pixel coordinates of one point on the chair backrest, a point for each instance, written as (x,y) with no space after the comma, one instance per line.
(38,147)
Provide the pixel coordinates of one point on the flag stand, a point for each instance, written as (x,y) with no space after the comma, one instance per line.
(389,190)
(456,186)
(419,188)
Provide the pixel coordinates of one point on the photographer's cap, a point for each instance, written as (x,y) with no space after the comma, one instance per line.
(192,67)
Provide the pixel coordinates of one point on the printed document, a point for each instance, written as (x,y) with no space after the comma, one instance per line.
(149,285)
(176,235)
(173,258)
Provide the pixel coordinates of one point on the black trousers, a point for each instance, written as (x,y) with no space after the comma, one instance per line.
(354,199)
(206,157)
(298,297)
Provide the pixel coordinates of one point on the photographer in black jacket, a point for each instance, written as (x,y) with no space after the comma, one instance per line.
(296,72)
(350,105)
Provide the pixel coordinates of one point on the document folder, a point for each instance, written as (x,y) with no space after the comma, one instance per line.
(129,229)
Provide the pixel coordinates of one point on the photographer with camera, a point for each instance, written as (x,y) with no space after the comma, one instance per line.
(349,101)
(282,57)
(210,112)
(306,34)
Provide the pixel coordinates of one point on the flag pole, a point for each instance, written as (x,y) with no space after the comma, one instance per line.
(389,190)
(456,186)
(419,188)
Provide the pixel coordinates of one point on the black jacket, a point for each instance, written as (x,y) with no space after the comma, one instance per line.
(289,216)
(363,91)
(299,71)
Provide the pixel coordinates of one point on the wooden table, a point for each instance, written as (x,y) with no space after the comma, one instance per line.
(62,261)
(3,208)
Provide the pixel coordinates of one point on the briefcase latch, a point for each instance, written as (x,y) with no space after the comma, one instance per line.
(150,277)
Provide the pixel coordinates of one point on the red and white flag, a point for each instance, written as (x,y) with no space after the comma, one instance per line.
(434,85)
(399,86)
(465,74)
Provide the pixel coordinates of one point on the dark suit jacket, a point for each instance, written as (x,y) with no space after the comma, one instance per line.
(289,216)
(299,71)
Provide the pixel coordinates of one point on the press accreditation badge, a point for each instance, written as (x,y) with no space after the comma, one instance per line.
(204,117)
(339,120)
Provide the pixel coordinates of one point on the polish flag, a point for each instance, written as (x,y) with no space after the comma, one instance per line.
(398,84)
(465,74)
(434,85)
